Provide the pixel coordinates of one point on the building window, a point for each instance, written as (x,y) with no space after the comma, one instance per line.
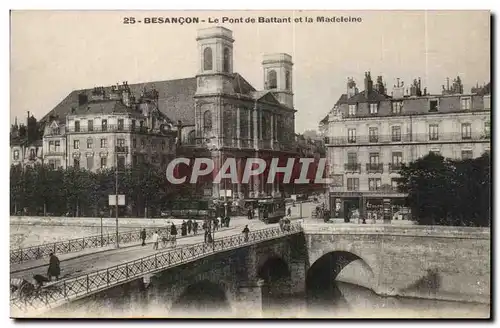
(207,121)
(16,155)
(397,159)
(120,142)
(465,103)
(397,106)
(51,146)
(433,105)
(163,144)
(373,109)
(374,159)
(120,124)
(104,125)
(352,158)
(351,135)
(487,129)
(466,131)
(466,154)
(395,183)
(487,102)
(227,58)
(143,143)
(373,134)
(90,125)
(77,126)
(90,143)
(52,164)
(374,184)
(76,163)
(104,143)
(352,110)
(32,154)
(90,163)
(57,146)
(352,184)
(134,143)
(433,132)
(396,133)
(76,144)
(133,125)
(121,163)
(191,138)
(272,79)
(104,162)
(288,83)
(207,59)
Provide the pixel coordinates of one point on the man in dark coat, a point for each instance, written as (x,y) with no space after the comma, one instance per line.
(190,225)
(143,237)
(173,234)
(184,228)
(54,269)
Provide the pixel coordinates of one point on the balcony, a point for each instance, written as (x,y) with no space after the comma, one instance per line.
(121,150)
(108,128)
(352,168)
(375,168)
(55,153)
(395,167)
(407,138)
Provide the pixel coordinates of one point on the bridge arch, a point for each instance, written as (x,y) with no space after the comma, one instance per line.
(202,298)
(321,276)
(273,269)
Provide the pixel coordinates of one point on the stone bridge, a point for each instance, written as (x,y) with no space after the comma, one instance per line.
(447,263)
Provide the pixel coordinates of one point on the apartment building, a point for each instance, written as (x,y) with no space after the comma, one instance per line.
(371,133)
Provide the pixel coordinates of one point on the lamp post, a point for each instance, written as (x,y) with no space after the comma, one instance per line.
(116,191)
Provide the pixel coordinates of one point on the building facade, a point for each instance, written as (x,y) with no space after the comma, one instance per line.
(25,143)
(371,133)
(111,129)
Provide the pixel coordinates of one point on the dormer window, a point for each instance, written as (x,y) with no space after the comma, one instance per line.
(352,109)
(374,109)
(465,103)
(16,155)
(397,106)
(433,105)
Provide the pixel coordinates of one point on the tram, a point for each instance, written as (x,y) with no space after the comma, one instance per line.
(271,210)
(188,209)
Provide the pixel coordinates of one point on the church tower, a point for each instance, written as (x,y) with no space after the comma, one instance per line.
(215,49)
(278,77)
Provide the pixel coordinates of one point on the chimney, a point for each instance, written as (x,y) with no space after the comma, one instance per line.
(447,84)
(368,84)
(398,91)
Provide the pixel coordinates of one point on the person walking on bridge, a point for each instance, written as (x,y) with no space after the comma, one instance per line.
(173,234)
(195,227)
(190,225)
(245,232)
(155,240)
(54,269)
(183,228)
(143,237)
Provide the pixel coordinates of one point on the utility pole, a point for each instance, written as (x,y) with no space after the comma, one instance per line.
(116,191)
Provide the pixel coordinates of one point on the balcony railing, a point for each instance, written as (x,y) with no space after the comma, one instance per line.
(108,128)
(407,138)
(375,168)
(122,149)
(394,167)
(55,153)
(352,167)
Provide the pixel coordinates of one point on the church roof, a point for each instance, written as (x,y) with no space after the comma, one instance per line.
(175,98)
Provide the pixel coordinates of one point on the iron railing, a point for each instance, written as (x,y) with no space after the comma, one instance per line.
(76,245)
(78,287)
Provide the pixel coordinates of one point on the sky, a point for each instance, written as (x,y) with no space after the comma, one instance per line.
(55,52)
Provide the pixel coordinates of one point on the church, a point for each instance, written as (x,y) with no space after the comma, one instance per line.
(218,114)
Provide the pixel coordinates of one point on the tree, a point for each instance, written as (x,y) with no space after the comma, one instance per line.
(447,192)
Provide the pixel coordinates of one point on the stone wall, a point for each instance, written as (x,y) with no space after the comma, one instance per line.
(91,222)
(448,263)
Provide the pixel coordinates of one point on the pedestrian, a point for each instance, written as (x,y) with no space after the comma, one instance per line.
(190,225)
(249,213)
(245,233)
(216,223)
(205,228)
(289,212)
(143,237)
(54,269)
(173,234)
(183,228)
(195,227)
(227,219)
(155,240)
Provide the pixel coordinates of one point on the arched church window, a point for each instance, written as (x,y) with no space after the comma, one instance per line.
(207,59)
(227,58)
(207,121)
(272,79)
(287,80)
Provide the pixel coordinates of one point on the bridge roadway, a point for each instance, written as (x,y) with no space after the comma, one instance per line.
(88,260)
